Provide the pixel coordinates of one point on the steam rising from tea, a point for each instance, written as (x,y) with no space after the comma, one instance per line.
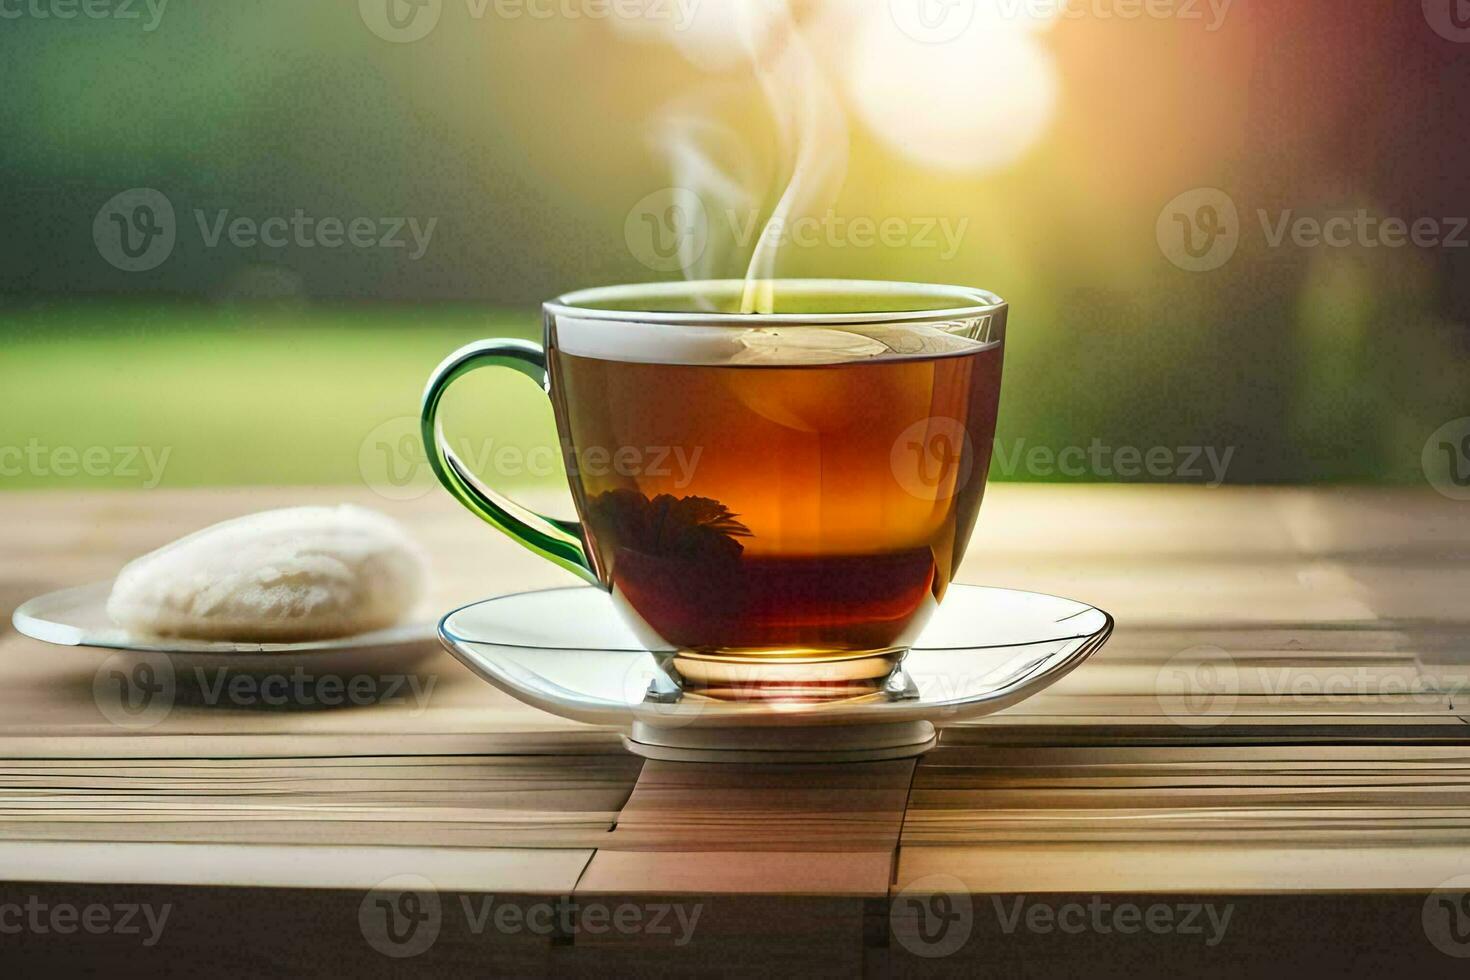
(713,163)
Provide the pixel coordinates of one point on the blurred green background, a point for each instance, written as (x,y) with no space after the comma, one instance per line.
(1056,148)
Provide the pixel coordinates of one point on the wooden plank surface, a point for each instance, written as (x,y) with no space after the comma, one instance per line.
(358,867)
(432,762)
(1286,680)
(1196,868)
(775,830)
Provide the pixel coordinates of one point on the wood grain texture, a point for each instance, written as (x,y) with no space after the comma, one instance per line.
(1320,636)
(483,801)
(781,830)
(1196,868)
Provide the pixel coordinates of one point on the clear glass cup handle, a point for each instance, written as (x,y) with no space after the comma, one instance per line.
(561,542)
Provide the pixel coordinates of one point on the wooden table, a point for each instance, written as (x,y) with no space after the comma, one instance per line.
(1275,730)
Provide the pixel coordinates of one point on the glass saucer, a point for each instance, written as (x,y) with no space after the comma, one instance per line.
(568,652)
(77,617)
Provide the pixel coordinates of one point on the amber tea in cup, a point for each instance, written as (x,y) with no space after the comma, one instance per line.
(791,487)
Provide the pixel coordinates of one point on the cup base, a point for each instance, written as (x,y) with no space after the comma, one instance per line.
(826,676)
(794,745)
